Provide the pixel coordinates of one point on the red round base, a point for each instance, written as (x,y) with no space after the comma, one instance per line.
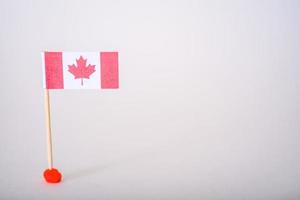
(52,175)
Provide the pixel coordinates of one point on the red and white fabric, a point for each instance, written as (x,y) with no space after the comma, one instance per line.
(80,70)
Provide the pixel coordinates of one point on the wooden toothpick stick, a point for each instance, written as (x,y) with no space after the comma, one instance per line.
(48,126)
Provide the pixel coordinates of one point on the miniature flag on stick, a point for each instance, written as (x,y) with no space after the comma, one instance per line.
(75,70)
(80,70)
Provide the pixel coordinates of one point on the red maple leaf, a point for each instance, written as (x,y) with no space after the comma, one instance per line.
(81,70)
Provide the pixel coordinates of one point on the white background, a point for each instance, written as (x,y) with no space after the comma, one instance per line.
(208,105)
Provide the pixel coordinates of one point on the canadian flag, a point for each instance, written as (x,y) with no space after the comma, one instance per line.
(80,70)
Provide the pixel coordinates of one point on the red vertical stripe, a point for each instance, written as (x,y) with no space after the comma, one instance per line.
(54,70)
(109,70)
